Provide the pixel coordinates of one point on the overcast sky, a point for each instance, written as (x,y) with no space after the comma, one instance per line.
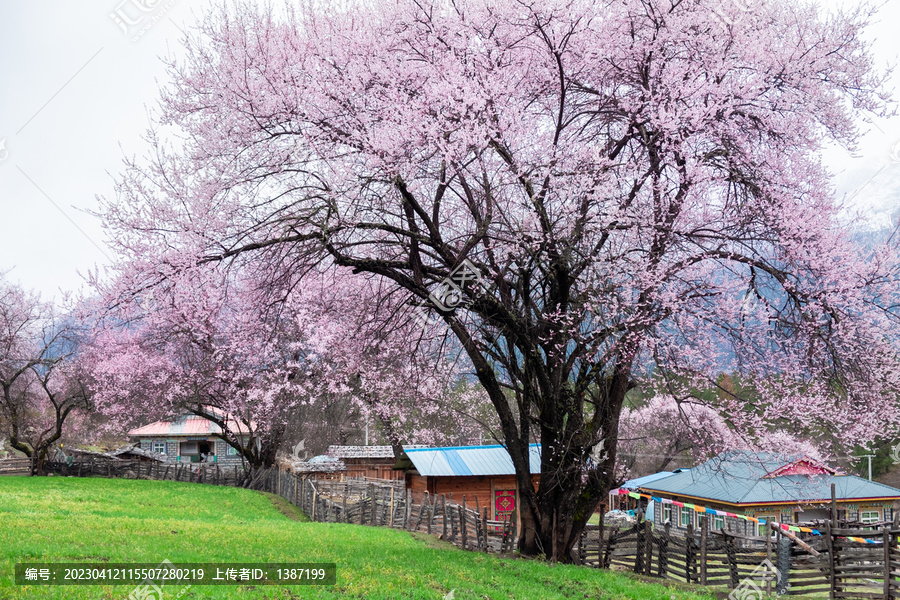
(75,88)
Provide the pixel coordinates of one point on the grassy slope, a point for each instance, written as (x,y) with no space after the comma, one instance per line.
(68,519)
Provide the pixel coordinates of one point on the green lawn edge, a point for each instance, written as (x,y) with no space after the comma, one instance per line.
(56,519)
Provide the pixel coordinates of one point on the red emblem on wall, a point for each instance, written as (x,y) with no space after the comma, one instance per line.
(504,504)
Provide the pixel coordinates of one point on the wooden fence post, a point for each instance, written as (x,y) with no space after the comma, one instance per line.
(372,498)
(704,535)
(662,565)
(769,532)
(690,559)
(454,524)
(406,509)
(832,563)
(608,550)
(834,514)
(638,528)
(484,529)
(462,524)
(392,507)
(732,560)
(422,508)
(783,566)
(582,544)
(317,506)
(432,513)
(648,547)
(888,543)
(443,517)
(390,503)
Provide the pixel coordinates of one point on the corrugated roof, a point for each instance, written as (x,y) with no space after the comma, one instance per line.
(185,425)
(469,460)
(740,477)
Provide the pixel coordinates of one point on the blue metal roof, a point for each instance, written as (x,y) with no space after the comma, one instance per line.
(633,484)
(469,460)
(741,477)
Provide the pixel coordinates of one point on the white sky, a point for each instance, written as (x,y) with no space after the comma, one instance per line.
(74,96)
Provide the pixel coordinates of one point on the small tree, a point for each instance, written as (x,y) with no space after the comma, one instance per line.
(40,379)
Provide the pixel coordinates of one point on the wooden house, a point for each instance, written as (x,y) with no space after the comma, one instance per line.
(484,475)
(376,462)
(740,491)
(190,438)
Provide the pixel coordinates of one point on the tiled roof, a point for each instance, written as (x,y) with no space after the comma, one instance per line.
(320,466)
(468,460)
(360,451)
(364,451)
(742,477)
(186,425)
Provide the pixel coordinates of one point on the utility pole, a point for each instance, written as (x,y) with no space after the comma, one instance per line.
(869,456)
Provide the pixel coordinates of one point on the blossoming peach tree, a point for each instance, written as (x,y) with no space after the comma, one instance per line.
(43,380)
(635,184)
(206,341)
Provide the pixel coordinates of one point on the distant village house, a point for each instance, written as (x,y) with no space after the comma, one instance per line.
(190,438)
(483,475)
(761,486)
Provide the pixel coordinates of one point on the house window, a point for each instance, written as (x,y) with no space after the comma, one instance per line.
(667,513)
(699,518)
(158,446)
(685,516)
(869,516)
(232,451)
(719,523)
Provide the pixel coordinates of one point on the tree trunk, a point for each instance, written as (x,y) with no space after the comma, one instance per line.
(571,485)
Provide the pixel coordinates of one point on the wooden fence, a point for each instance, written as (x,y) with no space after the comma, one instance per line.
(15,466)
(387,503)
(833,563)
(378,502)
(846,561)
(136,469)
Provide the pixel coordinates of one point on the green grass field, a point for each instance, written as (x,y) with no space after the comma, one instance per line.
(54,519)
